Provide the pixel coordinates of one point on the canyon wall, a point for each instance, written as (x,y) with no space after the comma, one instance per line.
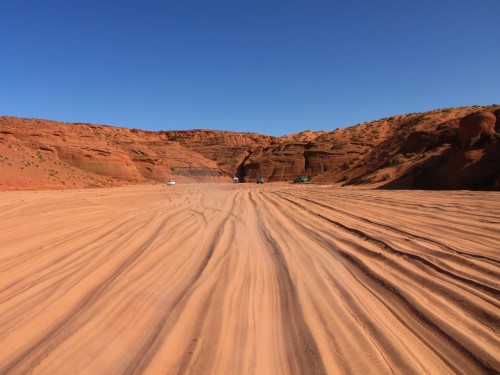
(452,148)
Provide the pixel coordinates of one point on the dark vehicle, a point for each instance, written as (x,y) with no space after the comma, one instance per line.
(301,180)
(260,180)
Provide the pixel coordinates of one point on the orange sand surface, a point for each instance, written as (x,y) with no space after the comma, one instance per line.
(248,279)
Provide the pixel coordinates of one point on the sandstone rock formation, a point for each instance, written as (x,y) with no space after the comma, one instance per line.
(476,124)
(48,154)
(228,149)
(497,123)
(441,149)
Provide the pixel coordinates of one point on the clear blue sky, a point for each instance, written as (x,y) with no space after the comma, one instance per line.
(268,66)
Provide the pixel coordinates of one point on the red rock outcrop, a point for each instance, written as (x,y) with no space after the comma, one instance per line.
(379,152)
(227,149)
(40,153)
(424,150)
(497,123)
(108,162)
(472,126)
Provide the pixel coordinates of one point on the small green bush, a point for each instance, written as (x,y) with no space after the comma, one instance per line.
(396,159)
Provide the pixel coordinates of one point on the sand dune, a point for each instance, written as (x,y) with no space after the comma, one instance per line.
(246,279)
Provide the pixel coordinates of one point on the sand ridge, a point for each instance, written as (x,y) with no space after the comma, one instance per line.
(246,279)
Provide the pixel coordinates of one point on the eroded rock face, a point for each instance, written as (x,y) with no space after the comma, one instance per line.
(276,163)
(112,163)
(285,162)
(462,169)
(471,127)
(229,150)
(497,123)
(40,154)
(420,141)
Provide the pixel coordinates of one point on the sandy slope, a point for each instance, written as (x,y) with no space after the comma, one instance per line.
(245,279)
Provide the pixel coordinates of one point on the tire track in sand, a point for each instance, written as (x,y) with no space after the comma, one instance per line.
(246,279)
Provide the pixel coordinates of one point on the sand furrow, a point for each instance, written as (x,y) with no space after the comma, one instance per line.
(483,313)
(493,290)
(245,279)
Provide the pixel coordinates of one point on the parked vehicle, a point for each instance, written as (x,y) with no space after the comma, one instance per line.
(236,180)
(260,180)
(301,180)
(171,182)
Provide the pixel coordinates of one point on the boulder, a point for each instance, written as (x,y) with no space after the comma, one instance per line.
(472,126)
(419,142)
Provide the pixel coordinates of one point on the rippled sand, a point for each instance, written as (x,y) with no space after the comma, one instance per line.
(247,279)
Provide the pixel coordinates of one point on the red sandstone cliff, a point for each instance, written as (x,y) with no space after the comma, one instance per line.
(47,154)
(442,149)
(453,148)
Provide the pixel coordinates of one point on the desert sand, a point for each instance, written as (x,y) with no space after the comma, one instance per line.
(248,279)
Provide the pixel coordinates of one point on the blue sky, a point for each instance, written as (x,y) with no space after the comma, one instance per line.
(275,67)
